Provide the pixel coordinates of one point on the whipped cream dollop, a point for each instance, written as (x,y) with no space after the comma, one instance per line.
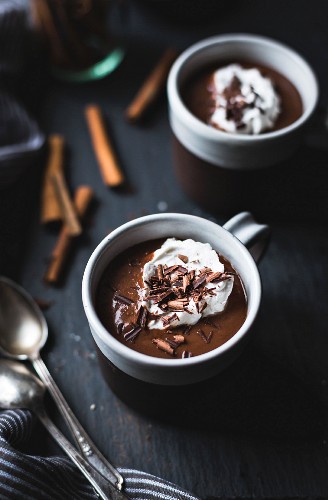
(245,100)
(183,282)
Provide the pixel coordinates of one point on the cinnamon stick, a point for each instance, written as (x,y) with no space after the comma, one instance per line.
(69,214)
(151,88)
(50,208)
(82,200)
(108,162)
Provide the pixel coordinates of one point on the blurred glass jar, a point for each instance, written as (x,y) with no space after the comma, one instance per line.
(76,37)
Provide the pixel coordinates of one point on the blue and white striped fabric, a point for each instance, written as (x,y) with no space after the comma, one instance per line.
(28,477)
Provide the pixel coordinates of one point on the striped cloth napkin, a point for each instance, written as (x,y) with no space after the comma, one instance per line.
(29,477)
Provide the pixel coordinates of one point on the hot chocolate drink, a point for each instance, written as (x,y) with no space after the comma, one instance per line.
(242,98)
(171,299)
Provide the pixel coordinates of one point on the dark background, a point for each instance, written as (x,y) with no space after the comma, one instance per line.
(264,432)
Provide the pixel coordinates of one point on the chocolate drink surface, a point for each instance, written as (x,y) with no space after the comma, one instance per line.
(231,104)
(120,303)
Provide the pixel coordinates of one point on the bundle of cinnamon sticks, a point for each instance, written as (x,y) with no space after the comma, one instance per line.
(57,205)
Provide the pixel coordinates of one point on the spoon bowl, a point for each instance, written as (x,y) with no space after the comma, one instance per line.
(19,387)
(23,329)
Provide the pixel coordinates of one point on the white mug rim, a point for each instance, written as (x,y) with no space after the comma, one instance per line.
(205,130)
(152,361)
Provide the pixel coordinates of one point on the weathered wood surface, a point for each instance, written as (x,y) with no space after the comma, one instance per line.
(265,433)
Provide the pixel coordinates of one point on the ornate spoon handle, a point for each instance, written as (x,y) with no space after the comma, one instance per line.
(83,441)
(104,488)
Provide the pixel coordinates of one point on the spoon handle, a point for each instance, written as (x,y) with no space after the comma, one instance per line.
(104,488)
(83,441)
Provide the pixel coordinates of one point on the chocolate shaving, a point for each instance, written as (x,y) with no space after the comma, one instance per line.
(205,270)
(176,341)
(207,339)
(142,316)
(223,277)
(181,294)
(177,304)
(123,299)
(196,296)
(154,279)
(159,298)
(159,289)
(120,327)
(176,280)
(185,282)
(132,334)
(184,258)
(199,281)
(202,307)
(165,295)
(181,270)
(179,339)
(171,342)
(170,269)
(164,346)
(187,329)
(186,354)
(213,276)
(169,318)
(202,335)
(160,272)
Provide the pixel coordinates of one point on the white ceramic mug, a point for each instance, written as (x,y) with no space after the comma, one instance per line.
(236,151)
(229,240)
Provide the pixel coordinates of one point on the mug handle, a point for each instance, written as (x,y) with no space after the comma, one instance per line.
(254,236)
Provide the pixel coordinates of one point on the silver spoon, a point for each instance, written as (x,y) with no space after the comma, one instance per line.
(23,332)
(20,388)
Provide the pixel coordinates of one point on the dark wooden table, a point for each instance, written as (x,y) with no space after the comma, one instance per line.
(265,435)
